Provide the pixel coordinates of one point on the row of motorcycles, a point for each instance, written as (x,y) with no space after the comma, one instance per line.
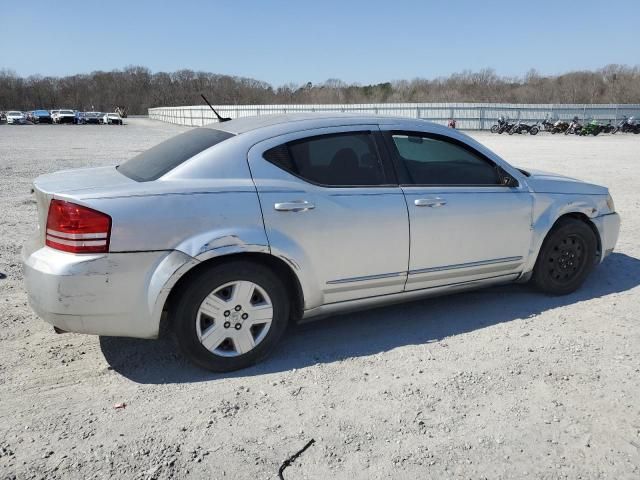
(574,127)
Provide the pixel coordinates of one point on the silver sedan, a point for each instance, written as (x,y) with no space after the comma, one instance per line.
(238,229)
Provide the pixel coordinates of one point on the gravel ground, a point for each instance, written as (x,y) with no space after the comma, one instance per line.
(498,383)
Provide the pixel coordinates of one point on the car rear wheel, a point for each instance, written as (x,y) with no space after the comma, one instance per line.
(566,258)
(231,316)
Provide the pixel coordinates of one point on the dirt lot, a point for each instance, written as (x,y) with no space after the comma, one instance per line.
(499,383)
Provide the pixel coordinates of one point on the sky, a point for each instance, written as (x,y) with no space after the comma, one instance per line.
(283,42)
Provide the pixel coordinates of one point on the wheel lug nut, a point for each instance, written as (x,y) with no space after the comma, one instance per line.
(238,326)
(238,308)
(245,316)
(227,324)
(227,313)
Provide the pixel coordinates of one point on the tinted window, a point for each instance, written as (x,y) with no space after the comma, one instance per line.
(434,161)
(344,159)
(164,157)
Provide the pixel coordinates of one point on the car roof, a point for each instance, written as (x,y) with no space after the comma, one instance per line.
(302,121)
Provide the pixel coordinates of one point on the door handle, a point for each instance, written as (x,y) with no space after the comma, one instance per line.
(429,202)
(298,206)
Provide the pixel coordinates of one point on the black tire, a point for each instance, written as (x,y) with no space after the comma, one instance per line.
(534,130)
(184,316)
(567,256)
(494,128)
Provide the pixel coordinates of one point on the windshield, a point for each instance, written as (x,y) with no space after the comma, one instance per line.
(41,112)
(14,113)
(66,112)
(155,162)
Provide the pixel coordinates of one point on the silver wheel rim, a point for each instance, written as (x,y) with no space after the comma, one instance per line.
(234,318)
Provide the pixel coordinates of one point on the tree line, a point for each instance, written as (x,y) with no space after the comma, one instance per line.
(137,88)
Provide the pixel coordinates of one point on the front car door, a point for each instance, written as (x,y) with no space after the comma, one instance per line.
(332,208)
(466,224)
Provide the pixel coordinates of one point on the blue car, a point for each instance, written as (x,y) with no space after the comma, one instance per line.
(40,116)
(79,118)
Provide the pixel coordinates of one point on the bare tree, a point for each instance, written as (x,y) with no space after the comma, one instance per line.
(137,88)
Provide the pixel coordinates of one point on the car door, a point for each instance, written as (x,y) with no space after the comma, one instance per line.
(333,209)
(466,223)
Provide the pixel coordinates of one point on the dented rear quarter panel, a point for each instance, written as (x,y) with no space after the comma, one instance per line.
(192,222)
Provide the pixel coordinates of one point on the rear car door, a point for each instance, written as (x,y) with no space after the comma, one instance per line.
(332,207)
(466,224)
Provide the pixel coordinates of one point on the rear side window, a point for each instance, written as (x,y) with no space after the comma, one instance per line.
(336,160)
(164,157)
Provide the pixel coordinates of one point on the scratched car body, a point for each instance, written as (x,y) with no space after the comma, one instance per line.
(237,229)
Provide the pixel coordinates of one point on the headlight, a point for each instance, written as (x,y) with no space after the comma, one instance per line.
(610,204)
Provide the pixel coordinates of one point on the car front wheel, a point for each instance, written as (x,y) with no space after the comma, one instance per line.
(566,258)
(231,316)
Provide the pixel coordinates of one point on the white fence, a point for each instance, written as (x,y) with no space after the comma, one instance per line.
(469,116)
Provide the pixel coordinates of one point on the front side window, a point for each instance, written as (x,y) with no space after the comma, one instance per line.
(337,160)
(436,161)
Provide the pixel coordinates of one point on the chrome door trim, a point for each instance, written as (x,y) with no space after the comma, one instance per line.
(389,299)
(465,265)
(366,277)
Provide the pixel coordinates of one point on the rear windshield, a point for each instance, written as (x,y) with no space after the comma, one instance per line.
(164,157)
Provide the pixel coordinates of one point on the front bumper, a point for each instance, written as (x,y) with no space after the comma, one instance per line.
(115,294)
(609,228)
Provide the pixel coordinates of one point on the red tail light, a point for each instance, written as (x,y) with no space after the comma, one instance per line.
(77,229)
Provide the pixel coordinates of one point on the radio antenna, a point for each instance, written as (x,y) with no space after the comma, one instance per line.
(220,119)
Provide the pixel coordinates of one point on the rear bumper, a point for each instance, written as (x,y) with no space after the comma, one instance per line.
(609,228)
(115,294)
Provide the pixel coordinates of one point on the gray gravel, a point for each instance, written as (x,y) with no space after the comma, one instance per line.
(498,383)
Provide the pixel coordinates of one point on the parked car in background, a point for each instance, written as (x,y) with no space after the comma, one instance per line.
(239,228)
(64,116)
(78,118)
(3,117)
(40,116)
(112,119)
(15,117)
(93,118)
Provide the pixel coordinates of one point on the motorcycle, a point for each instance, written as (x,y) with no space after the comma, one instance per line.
(560,126)
(547,125)
(591,128)
(608,128)
(627,124)
(502,126)
(521,128)
(574,128)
